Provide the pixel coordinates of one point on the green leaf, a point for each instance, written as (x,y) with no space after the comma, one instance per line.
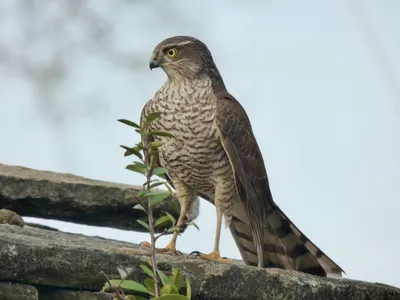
(188,290)
(137,167)
(151,194)
(156,144)
(164,278)
(125,147)
(173,229)
(161,221)
(134,286)
(153,153)
(169,289)
(106,287)
(149,284)
(151,117)
(155,199)
(166,290)
(148,182)
(171,217)
(126,284)
(150,263)
(139,207)
(171,297)
(124,273)
(175,207)
(147,270)
(139,164)
(177,278)
(130,151)
(195,225)
(131,297)
(163,176)
(129,196)
(142,193)
(152,160)
(161,133)
(144,224)
(153,185)
(139,146)
(129,123)
(159,171)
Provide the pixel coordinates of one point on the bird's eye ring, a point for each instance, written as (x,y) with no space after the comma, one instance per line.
(172,52)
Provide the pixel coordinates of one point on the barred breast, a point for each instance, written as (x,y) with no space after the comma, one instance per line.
(195,155)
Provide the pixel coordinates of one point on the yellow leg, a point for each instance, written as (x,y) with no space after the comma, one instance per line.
(187,197)
(171,247)
(215,255)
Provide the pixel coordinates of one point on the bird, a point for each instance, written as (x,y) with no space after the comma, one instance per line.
(214,155)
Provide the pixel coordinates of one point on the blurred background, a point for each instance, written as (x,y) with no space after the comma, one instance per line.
(320,81)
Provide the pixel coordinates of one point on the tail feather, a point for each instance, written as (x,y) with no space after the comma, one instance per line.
(285,246)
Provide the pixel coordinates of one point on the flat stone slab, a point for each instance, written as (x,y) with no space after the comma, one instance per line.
(10,217)
(66,197)
(62,294)
(17,291)
(54,259)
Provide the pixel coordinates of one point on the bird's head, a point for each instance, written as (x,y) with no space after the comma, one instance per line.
(182,56)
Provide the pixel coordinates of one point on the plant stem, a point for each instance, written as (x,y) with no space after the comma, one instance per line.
(149,170)
(153,251)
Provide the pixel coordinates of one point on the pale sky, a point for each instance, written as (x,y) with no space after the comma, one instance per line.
(320,81)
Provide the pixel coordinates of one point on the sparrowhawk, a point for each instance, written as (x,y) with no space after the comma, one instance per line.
(214,155)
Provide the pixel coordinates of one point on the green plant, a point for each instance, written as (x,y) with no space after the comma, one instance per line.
(158,285)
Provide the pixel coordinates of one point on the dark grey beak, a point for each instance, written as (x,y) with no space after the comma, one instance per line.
(154,64)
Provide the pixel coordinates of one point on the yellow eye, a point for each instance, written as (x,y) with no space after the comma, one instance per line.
(172,52)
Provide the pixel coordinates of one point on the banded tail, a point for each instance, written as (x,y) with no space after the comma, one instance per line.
(285,246)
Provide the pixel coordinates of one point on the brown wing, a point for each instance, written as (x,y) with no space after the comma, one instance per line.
(267,237)
(250,176)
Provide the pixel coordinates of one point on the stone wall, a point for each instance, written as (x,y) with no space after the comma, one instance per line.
(42,263)
(65,197)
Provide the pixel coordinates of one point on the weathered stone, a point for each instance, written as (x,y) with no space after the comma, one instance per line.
(65,197)
(51,258)
(10,217)
(17,291)
(46,293)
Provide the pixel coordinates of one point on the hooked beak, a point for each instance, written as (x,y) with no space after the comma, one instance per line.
(154,64)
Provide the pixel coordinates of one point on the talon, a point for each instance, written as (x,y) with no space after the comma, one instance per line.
(145,244)
(167,249)
(194,254)
(170,248)
(213,256)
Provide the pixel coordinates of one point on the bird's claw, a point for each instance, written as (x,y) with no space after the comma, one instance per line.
(213,256)
(168,249)
(194,254)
